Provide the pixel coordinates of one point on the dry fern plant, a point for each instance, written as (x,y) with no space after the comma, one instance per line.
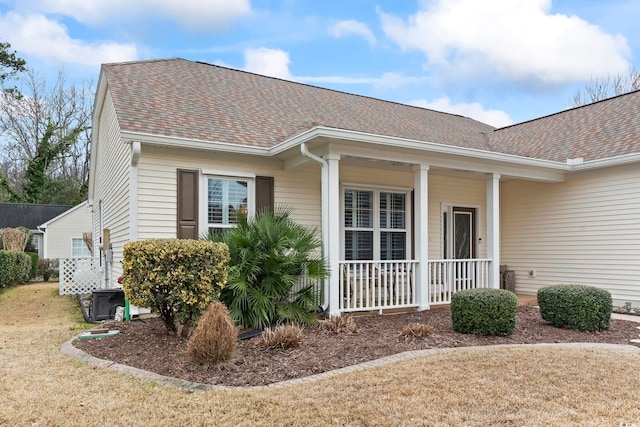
(414,330)
(283,336)
(339,324)
(214,340)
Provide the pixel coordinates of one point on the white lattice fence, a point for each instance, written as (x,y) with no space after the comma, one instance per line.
(80,275)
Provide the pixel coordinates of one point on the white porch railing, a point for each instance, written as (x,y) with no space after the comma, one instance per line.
(377,285)
(448,276)
(80,275)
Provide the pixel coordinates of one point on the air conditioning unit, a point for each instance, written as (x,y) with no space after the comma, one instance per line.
(105,303)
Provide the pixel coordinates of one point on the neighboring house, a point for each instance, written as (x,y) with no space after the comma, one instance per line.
(14,215)
(413,204)
(63,234)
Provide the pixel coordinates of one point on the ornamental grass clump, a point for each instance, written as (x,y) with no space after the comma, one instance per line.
(484,311)
(416,330)
(283,336)
(339,324)
(178,279)
(15,239)
(577,307)
(214,340)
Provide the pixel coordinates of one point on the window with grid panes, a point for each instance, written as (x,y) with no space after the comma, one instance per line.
(361,207)
(79,248)
(226,200)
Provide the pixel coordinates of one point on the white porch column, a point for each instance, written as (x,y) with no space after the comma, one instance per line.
(493,229)
(421,234)
(333,230)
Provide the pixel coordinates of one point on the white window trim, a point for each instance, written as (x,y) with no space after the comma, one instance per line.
(85,245)
(376,216)
(203,196)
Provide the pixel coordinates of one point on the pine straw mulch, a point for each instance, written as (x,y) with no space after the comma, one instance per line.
(147,345)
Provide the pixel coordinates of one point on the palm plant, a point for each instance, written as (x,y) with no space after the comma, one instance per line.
(269,254)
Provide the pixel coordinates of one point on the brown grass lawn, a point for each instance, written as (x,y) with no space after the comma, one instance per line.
(535,386)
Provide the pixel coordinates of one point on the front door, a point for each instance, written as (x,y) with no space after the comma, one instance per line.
(464,233)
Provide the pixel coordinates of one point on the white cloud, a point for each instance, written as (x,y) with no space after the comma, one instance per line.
(38,36)
(519,40)
(269,62)
(352,27)
(388,80)
(474,110)
(199,14)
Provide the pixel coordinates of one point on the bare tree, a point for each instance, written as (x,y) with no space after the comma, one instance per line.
(61,115)
(606,86)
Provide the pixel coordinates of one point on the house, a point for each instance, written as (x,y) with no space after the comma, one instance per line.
(30,216)
(63,234)
(413,204)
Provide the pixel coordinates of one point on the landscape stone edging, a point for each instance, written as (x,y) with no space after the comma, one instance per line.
(70,350)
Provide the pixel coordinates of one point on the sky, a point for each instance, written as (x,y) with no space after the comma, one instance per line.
(497,61)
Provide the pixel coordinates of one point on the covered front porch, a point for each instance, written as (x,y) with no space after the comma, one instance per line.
(407,224)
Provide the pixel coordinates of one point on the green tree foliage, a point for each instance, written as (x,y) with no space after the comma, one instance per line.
(45,141)
(10,64)
(269,253)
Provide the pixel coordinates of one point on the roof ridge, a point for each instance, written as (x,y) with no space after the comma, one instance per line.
(600,101)
(335,90)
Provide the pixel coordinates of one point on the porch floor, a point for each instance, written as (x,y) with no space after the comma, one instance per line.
(524,300)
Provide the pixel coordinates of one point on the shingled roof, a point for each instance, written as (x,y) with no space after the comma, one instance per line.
(193,100)
(13,215)
(603,129)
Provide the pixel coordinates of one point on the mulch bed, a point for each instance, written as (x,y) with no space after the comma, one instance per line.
(146,344)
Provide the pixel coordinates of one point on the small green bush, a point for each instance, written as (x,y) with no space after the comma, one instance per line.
(178,279)
(578,307)
(14,267)
(484,311)
(22,267)
(34,264)
(7,262)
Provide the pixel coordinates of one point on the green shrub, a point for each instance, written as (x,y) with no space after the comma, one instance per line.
(7,263)
(14,267)
(178,279)
(578,307)
(269,254)
(22,267)
(484,311)
(34,264)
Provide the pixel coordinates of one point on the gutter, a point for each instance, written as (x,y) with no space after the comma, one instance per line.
(325,212)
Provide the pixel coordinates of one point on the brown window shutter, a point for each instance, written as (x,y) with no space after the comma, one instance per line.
(187,204)
(264,193)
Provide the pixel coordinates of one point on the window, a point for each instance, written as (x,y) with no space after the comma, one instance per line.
(375,225)
(79,248)
(227,199)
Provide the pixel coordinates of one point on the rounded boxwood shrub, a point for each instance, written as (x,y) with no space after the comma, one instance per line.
(578,307)
(484,311)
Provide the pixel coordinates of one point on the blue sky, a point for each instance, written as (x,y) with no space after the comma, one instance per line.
(498,61)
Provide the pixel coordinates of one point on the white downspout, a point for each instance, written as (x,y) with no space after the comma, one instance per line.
(324,190)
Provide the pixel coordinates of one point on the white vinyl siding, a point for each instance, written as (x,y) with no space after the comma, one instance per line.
(299,188)
(112,184)
(586,230)
(68,226)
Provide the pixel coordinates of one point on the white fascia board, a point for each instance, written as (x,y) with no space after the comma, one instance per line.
(196,144)
(433,147)
(608,162)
